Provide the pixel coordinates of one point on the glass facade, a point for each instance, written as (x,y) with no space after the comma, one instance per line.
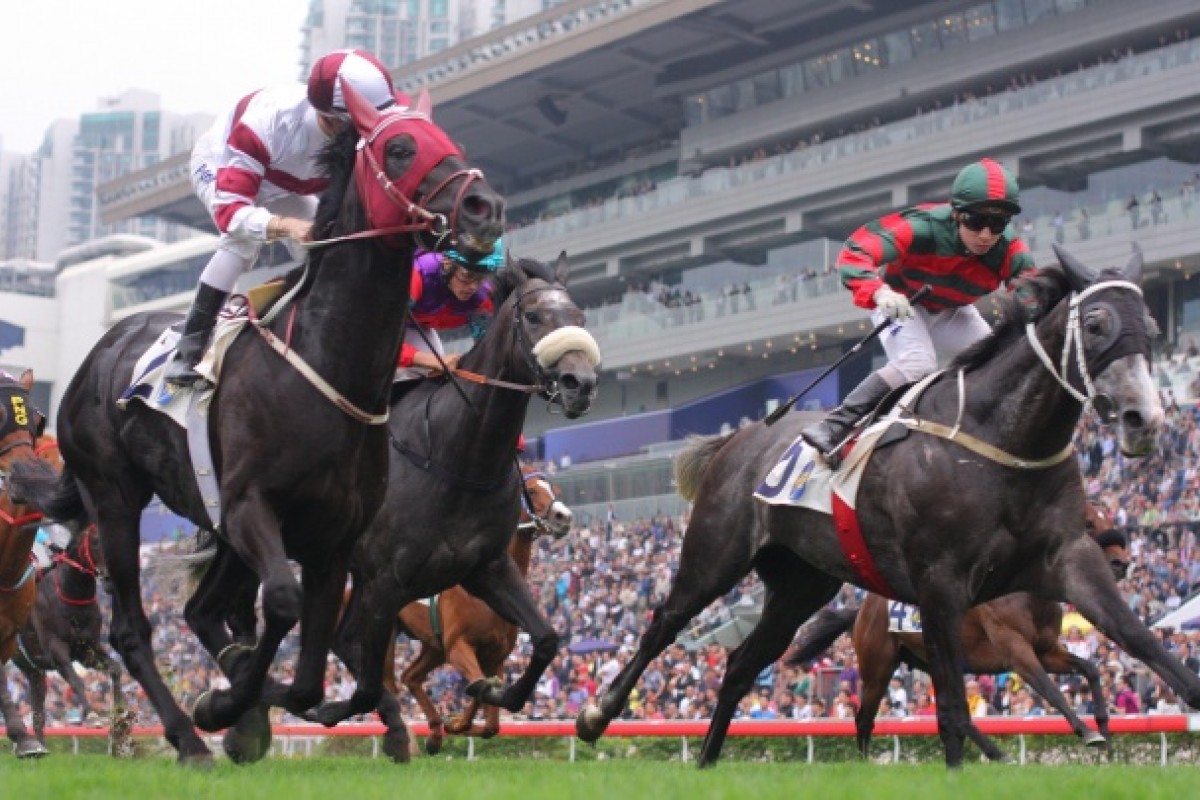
(897,47)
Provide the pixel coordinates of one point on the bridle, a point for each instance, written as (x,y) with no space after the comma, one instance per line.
(1073,342)
(85,565)
(538,524)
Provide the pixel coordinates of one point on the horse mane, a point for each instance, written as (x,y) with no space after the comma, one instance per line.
(1048,286)
(336,161)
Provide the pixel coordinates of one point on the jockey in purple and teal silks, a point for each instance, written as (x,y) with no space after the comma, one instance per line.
(962,250)
(447,292)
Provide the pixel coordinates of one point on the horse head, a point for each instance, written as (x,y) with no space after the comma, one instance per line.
(1105,358)
(84,553)
(411,177)
(20,425)
(1116,547)
(548,514)
(551,347)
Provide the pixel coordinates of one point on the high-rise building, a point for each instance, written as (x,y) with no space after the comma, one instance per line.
(402,31)
(48,199)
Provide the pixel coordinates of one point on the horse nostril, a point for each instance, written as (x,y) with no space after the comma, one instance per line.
(1133,419)
(569,382)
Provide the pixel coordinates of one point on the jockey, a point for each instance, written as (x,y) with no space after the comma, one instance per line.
(963,250)
(256,172)
(448,292)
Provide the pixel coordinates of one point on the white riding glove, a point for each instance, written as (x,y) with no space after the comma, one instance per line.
(894,304)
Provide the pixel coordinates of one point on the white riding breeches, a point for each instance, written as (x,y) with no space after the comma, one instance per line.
(915,346)
(413,338)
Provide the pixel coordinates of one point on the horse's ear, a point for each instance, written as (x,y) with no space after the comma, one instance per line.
(424,103)
(364,115)
(516,270)
(560,269)
(1078,274)
(1133,270)
(26,380)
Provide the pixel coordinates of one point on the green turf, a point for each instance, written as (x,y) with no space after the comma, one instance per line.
(62,776)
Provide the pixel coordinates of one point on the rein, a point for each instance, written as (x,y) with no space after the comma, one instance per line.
(86,565)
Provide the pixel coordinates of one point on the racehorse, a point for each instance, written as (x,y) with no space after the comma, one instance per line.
(452,498)
(296,426)
(20,427)
(1015,633)
(64,628)
(947,517)
(458,629)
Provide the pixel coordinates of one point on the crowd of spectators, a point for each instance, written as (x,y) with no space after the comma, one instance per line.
(599,585)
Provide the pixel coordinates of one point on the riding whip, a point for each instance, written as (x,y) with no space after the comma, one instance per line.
(779,413)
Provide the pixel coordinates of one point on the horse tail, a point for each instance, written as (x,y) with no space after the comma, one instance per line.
(817,636)
(692,462)
(178,573)
(57,495)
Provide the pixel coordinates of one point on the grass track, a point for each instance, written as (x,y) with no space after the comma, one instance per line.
(362,779)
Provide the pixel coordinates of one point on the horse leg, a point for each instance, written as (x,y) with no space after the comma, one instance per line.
(942,610)
(59,653)
(876,664)
(221,614)
(1034,672)
(1088,670)
(37,700)
(129,632)
(260,546)
(795,591)
(120,737)
(24,745)
(462,657)
(1088,583)
(711,564)
(413,678)
(502,586)
(395,740)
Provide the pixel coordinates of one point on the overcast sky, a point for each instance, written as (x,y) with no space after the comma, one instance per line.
(60,57)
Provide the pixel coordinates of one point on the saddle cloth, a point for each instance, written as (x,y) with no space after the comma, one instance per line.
(188,407)
(903,618)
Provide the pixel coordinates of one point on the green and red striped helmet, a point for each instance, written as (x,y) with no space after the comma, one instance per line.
(986,186)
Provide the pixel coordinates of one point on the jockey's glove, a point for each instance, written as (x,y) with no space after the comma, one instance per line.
(894,304)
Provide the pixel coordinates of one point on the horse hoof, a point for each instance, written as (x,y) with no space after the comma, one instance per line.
(250,740)
(432,747)
(229,658)
(396,746)
(30,748)
(590,724)
(486,690)
(1093,739)
(206,715)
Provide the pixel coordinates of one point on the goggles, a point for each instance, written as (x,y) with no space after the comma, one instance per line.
(975,221)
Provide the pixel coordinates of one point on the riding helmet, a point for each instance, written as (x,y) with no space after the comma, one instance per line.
(986,186)
(368,75)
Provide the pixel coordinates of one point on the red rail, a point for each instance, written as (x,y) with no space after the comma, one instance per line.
(907,726)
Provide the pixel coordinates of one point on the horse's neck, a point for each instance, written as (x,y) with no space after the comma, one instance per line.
(1014,400)
(349,323)
(521,551)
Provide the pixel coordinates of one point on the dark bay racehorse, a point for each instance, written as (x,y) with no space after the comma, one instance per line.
(452,497)
(20,426)
(458,629)
(942,525)
(300,449)
(1015,633)
(65,628)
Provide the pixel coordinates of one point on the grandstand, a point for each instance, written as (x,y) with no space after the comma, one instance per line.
(701,161)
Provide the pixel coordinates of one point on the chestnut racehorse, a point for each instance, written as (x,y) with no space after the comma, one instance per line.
(458,629)
(20,424)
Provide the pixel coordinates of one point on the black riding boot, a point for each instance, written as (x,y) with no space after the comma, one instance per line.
(829,432)
(201,319)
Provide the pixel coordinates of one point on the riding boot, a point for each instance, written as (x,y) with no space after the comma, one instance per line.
(829,432)
(201,319)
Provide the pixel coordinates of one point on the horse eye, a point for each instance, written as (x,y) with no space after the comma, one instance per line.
(532,317)
(1095,323)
